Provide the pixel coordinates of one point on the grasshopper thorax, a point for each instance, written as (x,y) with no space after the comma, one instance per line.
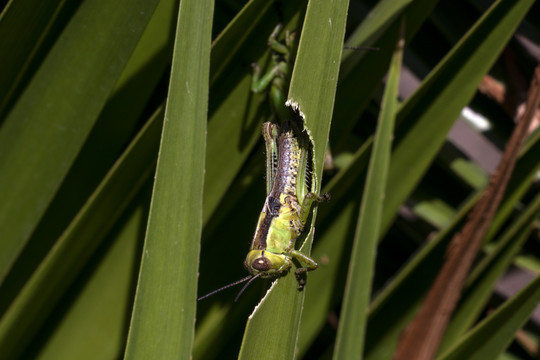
(266,264)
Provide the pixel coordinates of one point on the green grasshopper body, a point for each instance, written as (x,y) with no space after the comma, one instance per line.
(287,205)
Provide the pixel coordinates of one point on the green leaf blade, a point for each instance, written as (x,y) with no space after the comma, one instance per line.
(483,279)
(163,319)
(435,106)
(395,306)
(351,332)
(314,95)
(79,241)
(47,126)
(312,89)
(489,338)
(94,326)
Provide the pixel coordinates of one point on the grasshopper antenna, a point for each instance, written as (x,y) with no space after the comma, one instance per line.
(361,48)
(250,278)
(245,286)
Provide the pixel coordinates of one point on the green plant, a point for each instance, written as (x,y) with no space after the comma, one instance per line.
(85,89)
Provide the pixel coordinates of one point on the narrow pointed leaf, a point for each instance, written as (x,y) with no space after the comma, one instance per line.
(351,332)
(395,306)
(46,128)
(489,338)
(54,275)
(94,324)
(482,280)
(435,106)
(312,88)
(235,113)
(163,320)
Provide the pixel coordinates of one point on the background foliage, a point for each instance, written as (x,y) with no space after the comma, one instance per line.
(84,90)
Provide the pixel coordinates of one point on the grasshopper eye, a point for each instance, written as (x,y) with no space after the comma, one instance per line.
(262,264)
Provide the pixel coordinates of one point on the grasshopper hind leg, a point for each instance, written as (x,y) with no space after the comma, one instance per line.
(270,133)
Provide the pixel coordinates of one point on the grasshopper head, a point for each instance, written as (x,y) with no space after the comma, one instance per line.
(266,263)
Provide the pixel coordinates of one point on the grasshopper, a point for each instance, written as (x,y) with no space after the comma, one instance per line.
(290,192)
(288,203)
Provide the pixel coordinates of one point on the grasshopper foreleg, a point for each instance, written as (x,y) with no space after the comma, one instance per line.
(309,263)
